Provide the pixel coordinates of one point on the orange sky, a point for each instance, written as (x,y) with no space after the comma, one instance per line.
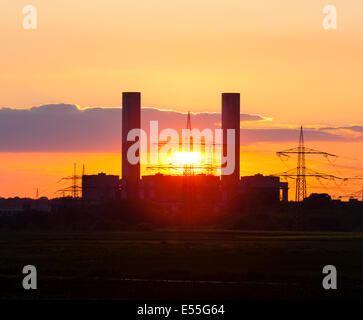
(23,173)
(181,54)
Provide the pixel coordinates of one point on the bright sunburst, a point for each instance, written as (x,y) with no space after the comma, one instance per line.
(186,157)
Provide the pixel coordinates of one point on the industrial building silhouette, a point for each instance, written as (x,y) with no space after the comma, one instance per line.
(176,192)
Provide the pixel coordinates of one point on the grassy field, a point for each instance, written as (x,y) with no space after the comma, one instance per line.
(180,264)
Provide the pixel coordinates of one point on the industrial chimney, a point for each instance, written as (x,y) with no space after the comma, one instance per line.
(231,120)
(131,119)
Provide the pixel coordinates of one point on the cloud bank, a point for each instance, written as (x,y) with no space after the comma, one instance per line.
(66,128)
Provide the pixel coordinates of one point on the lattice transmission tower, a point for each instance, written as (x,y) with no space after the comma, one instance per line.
(188,166)
(74,189)
(301,171)
(300,193)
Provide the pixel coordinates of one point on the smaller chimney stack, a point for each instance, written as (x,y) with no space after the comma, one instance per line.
(231,120)
(131,119)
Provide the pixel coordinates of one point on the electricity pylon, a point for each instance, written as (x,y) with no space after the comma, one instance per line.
(188,167)
(301,171)
(354,195)
(300,193)
(188,178)
(74,189)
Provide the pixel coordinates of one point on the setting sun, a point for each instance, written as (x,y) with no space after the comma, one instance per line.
(186,157)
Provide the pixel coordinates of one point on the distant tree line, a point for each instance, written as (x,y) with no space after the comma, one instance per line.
(316,213)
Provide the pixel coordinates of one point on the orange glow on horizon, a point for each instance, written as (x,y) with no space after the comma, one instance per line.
(25,172)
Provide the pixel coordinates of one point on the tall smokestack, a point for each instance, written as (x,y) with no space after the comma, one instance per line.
(131,119)
(231,120)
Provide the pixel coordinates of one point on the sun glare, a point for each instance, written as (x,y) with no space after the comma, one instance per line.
(186,157)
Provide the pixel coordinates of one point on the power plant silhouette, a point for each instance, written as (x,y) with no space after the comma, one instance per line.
(178,185)
(188,186)
(197,185)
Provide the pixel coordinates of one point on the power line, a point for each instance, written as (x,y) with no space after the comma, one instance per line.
(301,172)
(74,188)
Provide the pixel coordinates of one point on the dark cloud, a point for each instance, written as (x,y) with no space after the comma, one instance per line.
(249,136)
(64,127)
(358,129)
(60,128)
(178,120)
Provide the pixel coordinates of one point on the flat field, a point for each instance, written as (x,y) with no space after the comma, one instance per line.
(179,264)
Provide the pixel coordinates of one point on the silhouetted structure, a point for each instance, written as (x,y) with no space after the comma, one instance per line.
(267,189)
(169,191)
(74,189)
(300,192)
(101,187)
(189,179)
(131,119)
(231,120)
(301,170)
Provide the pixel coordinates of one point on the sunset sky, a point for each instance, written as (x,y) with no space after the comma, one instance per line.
(181,54)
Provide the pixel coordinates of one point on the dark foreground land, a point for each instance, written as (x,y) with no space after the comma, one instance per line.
(181,265)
